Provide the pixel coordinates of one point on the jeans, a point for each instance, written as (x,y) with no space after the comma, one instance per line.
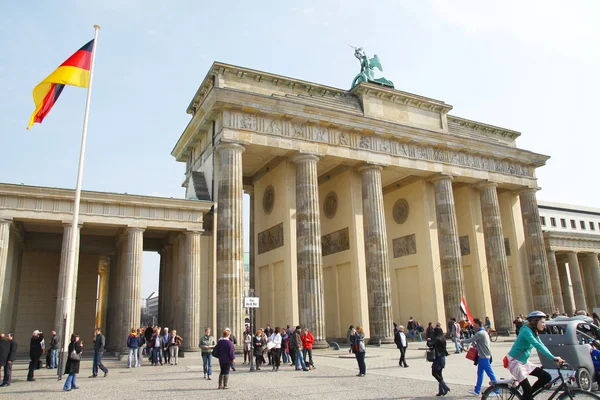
(309,351)
(285,356)
(457,344)
(360,359)
(483,365)
(207,363)
(174,353)
(166,356)
(70,382)
(53,358)
(300,360)
(97,363)
(132,358)
(140,355)
(156,355)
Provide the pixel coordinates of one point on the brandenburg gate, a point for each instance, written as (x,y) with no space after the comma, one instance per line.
(367,206)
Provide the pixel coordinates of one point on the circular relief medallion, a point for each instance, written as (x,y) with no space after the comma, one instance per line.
(268,199)
(400,211)
(330,205)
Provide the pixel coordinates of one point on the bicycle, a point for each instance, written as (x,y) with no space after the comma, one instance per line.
(508,389)
(492,334)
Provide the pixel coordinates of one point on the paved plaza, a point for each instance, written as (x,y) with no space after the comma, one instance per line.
(334,378)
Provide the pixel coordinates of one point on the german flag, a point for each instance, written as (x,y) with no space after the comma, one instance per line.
(74,71)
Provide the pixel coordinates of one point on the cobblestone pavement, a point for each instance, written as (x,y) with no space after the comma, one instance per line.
(334,378)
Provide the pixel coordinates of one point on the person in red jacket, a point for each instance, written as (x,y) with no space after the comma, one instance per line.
(307,343)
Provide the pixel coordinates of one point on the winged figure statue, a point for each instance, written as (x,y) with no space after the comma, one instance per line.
(366,69)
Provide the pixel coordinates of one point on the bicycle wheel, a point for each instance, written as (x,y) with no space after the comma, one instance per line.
(578,393)
(494,336)
(501,391)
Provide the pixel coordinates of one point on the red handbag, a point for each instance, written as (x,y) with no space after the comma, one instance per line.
(471,354)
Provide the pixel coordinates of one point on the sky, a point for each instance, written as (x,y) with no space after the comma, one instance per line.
(528,66)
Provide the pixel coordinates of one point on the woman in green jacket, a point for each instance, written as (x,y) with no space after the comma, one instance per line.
(518,356)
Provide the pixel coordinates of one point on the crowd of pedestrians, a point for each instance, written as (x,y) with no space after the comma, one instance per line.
(282,346)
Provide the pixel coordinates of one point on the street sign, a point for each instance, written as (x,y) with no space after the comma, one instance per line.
(251,302)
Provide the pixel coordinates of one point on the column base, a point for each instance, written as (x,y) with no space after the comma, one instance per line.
(191,352)
(375,341)
(320,345)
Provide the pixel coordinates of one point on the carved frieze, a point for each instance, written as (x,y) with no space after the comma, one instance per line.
(270,239)
(338,137)
(320,134)
(335,242)
(465,247)
(405,245)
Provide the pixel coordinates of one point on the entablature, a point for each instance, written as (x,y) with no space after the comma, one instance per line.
(577,242)
(44,203)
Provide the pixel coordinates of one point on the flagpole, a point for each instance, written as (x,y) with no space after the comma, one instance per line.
(69,294)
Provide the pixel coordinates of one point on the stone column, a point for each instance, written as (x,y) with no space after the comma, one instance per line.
(567,289)
(111,314)
(495,254)
(252,272)
(10,282)
(376,255)
(191,321)
(450,257)
(536,252)
(65,292)
(180,288)
(121,331)
(311,298)
(4,240)
(588,281)
(102,304)
(132,289)
(167,294)
(555,281)
(593,272)
(230,257)
(576,281)
(161,287)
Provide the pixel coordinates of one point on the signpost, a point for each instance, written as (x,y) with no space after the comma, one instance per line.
(251,302)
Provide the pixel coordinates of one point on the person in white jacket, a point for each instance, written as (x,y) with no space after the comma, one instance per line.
(274,344)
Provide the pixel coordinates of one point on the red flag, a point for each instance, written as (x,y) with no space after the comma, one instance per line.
(465,310)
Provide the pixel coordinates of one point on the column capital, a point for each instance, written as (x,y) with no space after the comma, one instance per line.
(369,166)
(194,233)
(134,229)
(300,157)
(441,177)
(485,185)
(230,146)
(527,190)
(6,221)
(70,224)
